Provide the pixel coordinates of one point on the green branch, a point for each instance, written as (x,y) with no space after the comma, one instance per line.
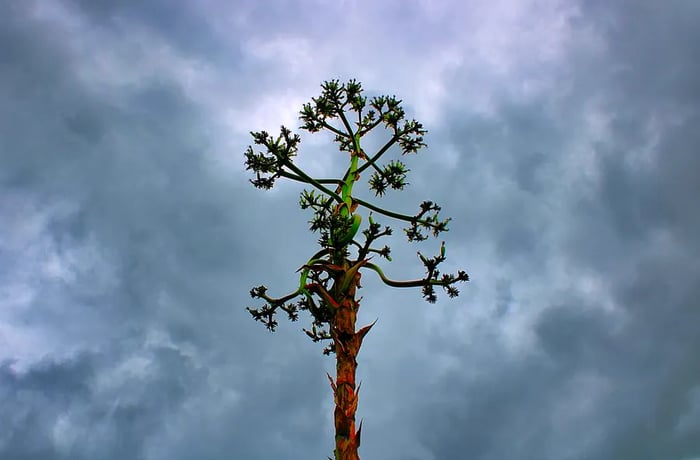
(376,156)
(400,284)
(395,215)
(351,135)
(370,127)
(334,129)
(311,180)
(302,180)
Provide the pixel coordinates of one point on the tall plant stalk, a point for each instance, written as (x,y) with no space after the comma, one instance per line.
(329,280)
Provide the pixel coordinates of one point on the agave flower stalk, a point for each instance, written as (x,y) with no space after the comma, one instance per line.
(329,280)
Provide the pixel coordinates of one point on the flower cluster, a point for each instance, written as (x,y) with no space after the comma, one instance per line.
(342,110)
(268,167)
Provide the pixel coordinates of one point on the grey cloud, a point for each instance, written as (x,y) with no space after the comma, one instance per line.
(636,230)
(162,223)
(57,410)
(163,246)
(186,26)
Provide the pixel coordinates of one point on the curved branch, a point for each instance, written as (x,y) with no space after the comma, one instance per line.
(323,293)
(399,284)
(277,301)
(404,284)
(395,215)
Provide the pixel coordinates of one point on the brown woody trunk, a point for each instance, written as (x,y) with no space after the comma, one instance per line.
(347,346)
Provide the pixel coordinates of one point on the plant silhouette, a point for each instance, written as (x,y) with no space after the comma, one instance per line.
(329,280)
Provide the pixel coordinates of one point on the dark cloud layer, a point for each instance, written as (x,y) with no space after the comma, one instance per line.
(158,257)
(130,239)
(636,230)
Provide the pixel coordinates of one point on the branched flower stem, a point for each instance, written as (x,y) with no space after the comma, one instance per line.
(329,280)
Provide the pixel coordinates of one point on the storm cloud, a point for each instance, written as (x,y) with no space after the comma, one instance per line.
(562,140)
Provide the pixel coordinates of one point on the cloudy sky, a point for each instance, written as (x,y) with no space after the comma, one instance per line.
(563,141)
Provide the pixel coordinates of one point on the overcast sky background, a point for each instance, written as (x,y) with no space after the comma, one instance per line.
(563,141)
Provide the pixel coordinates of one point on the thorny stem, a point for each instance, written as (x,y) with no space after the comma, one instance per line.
(345,395)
